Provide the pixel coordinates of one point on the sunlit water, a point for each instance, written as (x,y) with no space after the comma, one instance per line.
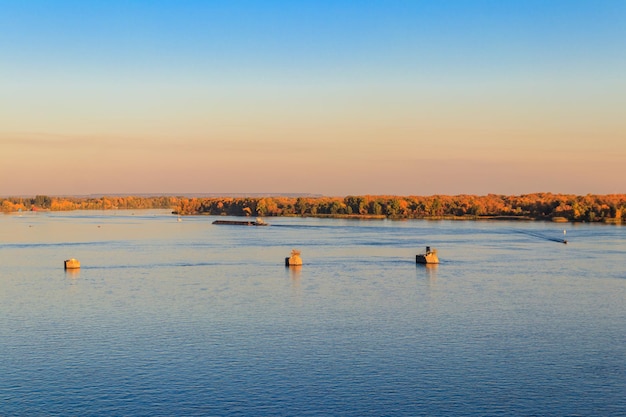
(187,318)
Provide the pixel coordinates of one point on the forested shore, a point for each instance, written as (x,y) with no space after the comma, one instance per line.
(609,208)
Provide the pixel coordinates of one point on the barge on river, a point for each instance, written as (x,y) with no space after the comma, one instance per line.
(257,222)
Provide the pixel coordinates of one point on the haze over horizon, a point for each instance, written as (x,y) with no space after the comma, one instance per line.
(331,98)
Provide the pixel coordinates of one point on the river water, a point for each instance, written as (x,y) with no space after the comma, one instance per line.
(187,318)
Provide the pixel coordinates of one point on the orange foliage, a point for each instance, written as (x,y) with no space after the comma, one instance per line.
(592,208)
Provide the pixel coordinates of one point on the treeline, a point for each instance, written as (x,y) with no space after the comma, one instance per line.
(43,202)
(542,206)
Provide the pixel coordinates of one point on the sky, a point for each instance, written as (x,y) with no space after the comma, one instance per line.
(324,97)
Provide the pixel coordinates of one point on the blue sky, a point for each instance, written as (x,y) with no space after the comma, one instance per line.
(327,39)
(333,98)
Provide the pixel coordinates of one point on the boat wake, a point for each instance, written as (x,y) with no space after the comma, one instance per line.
(540,236)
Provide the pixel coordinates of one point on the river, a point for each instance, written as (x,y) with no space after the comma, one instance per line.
(169,317)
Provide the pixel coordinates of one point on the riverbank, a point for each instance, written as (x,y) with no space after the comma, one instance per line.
(539,206)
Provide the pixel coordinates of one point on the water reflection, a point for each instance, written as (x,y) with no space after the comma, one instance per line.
(294,271)
(296,288)
(72,273)
(429,271)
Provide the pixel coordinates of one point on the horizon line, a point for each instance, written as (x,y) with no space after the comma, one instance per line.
(281,194)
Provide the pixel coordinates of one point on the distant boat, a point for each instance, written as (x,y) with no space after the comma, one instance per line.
(257,222)
(430,257)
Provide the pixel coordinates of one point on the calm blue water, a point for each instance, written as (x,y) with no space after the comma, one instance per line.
(188,318)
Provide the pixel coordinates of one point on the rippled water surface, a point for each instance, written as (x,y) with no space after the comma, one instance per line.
(170,317)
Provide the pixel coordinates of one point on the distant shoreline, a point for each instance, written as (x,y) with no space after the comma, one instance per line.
(539,206)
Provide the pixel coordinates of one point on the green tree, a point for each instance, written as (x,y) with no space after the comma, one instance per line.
(42,201)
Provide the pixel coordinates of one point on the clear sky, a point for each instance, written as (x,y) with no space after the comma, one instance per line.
(326,97)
